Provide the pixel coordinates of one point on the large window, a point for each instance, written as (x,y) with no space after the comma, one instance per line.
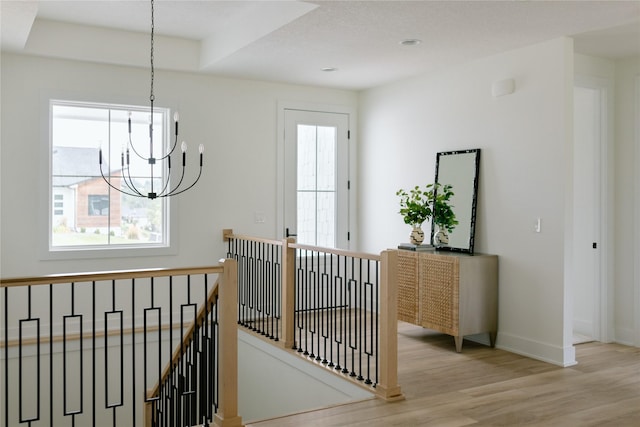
(85,211)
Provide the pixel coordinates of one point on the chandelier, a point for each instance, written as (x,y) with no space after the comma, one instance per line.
(164,189)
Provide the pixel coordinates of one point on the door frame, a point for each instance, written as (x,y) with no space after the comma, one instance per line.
(604,168)
(351,167)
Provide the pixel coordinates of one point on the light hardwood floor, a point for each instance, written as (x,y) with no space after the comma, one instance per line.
(483,386)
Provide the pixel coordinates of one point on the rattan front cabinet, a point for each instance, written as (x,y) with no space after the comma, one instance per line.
(456,294)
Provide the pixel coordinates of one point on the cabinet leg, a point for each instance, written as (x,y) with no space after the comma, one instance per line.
(458,340)
(492,338)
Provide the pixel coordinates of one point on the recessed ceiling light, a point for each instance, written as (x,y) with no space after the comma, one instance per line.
(410,42)
(329,69)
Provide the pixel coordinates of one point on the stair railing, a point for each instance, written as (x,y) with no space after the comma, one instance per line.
(82,349)
(334,307)
(200,383)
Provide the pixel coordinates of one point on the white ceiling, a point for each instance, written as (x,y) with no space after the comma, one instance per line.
(291,41)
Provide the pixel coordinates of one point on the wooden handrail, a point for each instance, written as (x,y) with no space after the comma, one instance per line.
(54,279)
(291,244)
(342,252)
(227,234)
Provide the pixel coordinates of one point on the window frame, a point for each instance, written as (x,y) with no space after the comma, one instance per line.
(49,252)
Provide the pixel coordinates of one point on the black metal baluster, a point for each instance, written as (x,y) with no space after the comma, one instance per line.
(374,322)
(133,350)
(93,351)
(6,357)
(361,322)
(317,306)
(215,368)
(250,286)
(345,313)
(353,320)
(307,302)
(277,283)
(312,288)
(325,307)
(204,399)
(50,355)
(268,285)
(64,359)
(119,313)
(336,284)
(301,298)
(242,265)
(29,319)
(260,285)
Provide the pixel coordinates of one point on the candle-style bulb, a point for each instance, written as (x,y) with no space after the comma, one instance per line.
(201,148)
(183,147)
(176,116)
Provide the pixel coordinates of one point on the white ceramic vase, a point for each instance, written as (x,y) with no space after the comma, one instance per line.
(417,235)
(441,237)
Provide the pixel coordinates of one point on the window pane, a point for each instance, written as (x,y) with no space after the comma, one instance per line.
(306,218)
(326,219)
(306,157)
(326,154)
(93,213)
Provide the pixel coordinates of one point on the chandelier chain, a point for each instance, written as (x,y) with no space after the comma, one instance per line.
(151,96)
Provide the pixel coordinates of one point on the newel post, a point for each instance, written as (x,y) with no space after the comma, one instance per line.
(288,292)
(227,415)
(388,387)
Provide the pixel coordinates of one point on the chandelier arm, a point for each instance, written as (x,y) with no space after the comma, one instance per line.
(174,192)
(114,187)
(133,148)
(171,192)
(130,184)
(166,182)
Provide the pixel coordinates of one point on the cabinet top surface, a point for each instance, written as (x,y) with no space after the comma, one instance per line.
(446,254)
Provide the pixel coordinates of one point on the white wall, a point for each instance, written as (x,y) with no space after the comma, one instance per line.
(299,385)
(525,173)
(234,119)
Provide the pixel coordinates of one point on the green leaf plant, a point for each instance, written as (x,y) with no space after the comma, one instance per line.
(419,205)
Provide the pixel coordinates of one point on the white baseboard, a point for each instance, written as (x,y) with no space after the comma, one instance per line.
(625,336)
(556,355)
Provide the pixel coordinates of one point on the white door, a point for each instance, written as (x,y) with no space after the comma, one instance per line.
(316,178)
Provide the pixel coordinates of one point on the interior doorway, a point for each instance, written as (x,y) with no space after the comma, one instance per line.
(591,299)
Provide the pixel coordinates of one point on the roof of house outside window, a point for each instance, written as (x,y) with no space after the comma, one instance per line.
(74,165)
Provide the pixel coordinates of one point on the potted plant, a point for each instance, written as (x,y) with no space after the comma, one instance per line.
(416,208)
(419,205)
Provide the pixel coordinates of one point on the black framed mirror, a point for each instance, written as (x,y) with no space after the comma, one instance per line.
(459,169)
